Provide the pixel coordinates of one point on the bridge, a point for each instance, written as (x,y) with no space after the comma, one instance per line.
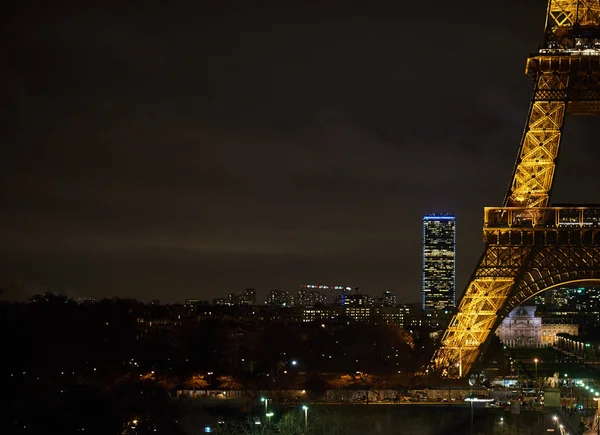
(531,246)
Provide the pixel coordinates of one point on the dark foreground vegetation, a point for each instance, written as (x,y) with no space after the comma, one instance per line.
(98,367)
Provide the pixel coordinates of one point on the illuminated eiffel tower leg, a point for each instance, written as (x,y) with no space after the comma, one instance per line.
(530,247)
(534,171)
(475,319)
(527,252)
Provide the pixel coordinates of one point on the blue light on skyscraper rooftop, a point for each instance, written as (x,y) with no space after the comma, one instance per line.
(438,217)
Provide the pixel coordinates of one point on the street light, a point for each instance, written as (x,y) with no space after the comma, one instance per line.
(305,416)
(535,361)
(266,400)
(269,415)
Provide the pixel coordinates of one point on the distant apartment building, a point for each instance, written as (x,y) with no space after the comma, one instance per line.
(571,305)
(394,316)
(307,296)
(356,300)
(388,299)
(339,293)
(316,314)
(570,298)
(439,262)
(247,297)
(279,298)
(192,305)
(404,316)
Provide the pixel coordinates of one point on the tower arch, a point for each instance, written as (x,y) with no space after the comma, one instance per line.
(530,246)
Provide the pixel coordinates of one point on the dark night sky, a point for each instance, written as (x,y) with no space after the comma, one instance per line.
(174,150)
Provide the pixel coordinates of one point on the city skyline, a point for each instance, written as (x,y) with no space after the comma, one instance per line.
(186,152)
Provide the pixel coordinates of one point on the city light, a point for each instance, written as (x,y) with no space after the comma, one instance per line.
(266,402)
(188,237)
(305,408)
(477,399)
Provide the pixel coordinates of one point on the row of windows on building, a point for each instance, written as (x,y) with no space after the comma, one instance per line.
(402,316)
(439,262)
(306,297)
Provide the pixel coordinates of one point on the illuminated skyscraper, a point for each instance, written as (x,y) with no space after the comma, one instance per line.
(439,254)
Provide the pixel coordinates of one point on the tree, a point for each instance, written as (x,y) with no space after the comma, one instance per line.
(196,382)
(367,383)
(358,381)
(166,382)
(291,424)
(229,383)
(339,384)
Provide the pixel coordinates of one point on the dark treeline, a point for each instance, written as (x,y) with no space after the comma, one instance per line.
(58,335)
(63,371)
(65,365)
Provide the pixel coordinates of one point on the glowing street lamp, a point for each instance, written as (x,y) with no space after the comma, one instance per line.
(535,361)
(305,408)
(266,400)
(269,415)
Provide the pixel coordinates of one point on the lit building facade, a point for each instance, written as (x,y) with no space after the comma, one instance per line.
(522,328)
(439,262)
(309,298)
(388,299)
(550,332)
(249,297)
(396,316)
(353,300)
(312,314)
(279,298)
(568,298)
(308,292)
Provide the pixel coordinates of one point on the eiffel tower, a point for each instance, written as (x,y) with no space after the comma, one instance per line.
(530,246)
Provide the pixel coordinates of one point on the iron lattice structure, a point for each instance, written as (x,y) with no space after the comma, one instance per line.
(529,246)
